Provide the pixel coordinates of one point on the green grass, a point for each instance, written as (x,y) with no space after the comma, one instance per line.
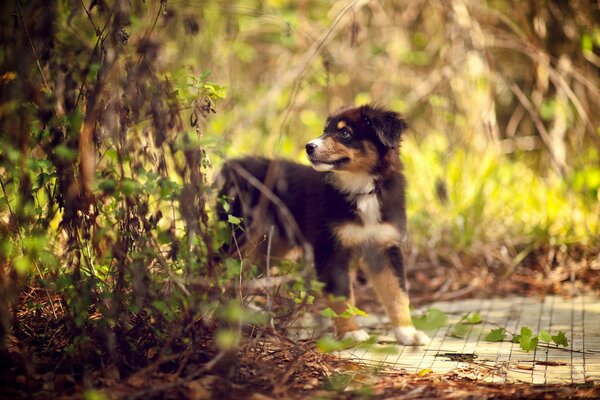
(492,199)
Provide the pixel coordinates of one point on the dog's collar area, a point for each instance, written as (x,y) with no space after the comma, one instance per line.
(354,184)
(375,190)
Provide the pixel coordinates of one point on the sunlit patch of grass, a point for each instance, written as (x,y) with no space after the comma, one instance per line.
(464,197)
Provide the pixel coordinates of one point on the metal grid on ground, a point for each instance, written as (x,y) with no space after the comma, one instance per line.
(578,317)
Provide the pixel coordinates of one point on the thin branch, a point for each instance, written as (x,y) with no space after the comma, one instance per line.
(237,247)
(87,12)
(87,67)
(98,42)
(539,125)
(559,82)
(163,4)
(269,300)
(164,264)
(37,60)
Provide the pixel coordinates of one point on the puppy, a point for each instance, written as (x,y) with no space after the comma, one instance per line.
(348,209)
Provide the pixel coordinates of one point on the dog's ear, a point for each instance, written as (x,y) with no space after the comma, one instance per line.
(388,125)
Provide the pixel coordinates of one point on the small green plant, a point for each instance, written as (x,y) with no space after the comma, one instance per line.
(302,297)
(348,312)
(527,341)
(434,318)
(496,335)
(328,344)
(431,320)
(461,329)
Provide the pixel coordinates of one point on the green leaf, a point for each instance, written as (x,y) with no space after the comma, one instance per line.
(164,237)
(130,187)
(496,335)
(328,313)
(351,311)
(528,343)
(107,185)
(472,318)
(560,339)
(35,243)
(226,339)
(357,311)
(235,313)
(23,265)
(232,267)
(545,336)
(587,44)
(93,394)
(460,331)
(205,75)
(431,320)
(233,220)
(75,119)
(160,305)
(215,91)
(223,202)
(301,297)
(527,332)
(328,344)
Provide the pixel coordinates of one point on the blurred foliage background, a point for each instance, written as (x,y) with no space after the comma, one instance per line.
(115,115)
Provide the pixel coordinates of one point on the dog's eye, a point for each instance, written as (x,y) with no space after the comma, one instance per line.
(345,134)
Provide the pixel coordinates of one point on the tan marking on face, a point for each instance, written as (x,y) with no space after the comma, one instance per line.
(331,150)
(395,300)
(341,124)
(362,160)
(352,235)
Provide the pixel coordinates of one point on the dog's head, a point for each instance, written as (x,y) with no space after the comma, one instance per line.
(356,139)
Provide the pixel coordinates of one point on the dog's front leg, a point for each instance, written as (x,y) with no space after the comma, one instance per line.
(333,271)
(385,271)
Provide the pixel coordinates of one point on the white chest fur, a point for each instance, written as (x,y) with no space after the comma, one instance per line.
(372,229)
(368,208)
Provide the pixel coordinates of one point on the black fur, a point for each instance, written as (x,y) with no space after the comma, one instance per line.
(305,206)
(388,125)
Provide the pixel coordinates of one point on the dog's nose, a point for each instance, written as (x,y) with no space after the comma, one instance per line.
(310,148)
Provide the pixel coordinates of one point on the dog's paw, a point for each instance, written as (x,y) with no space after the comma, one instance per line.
(357,336)
(409,336)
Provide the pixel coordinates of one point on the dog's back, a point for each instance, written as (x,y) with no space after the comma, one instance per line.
(295,202)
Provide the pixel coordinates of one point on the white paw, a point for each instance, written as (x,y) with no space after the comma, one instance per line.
(409,336)
(357,336)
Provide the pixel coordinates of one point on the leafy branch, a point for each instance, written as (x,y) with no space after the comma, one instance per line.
(527,341)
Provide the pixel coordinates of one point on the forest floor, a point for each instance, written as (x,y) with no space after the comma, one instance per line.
(272,365)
